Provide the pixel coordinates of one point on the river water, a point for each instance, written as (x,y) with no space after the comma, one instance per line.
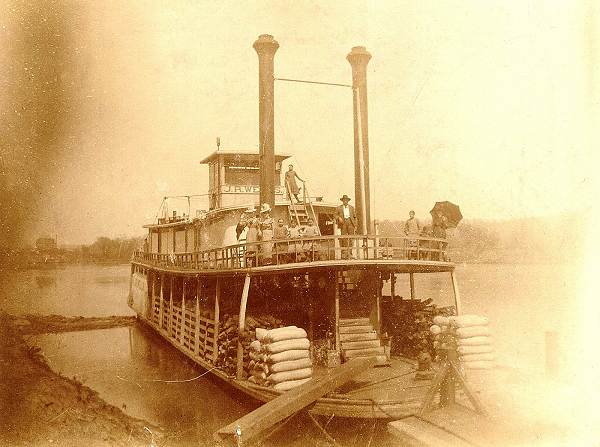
(134,369)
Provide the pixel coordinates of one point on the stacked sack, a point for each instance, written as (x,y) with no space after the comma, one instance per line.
(280,358)
(471,335)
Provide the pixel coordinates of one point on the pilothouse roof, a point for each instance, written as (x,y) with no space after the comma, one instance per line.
(233,154)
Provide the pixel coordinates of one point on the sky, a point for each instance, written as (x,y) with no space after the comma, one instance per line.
(109,106)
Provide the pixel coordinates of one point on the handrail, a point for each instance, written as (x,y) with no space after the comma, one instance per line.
(294,250)
(312,210)
(289,193)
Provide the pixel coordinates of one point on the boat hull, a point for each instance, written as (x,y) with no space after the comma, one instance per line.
(341,405)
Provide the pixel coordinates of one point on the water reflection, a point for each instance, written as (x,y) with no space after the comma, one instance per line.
(134,369)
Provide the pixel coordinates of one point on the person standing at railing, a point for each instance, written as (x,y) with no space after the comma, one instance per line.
(280,232)
(439,231)
(252,236)
(266,234)
(290,183)
(346,220)
(311,247)
(295,247)
(412,229)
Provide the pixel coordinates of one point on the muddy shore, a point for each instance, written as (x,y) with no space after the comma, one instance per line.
(40,407)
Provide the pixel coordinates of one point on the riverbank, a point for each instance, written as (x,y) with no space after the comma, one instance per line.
(43,408)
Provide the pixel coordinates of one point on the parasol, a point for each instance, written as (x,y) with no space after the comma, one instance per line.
(450,211)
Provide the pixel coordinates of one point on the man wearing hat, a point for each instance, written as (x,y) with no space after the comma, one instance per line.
(346,220)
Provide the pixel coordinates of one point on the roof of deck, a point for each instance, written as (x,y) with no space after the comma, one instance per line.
(398,266)
(241,153)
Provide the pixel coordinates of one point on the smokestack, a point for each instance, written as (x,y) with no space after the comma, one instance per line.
(266,47)
(359,58)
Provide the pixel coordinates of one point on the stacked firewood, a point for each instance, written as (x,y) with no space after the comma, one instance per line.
(280,358)
(408,323)
(229,335)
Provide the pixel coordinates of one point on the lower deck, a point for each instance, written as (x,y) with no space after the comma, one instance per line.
(212,321)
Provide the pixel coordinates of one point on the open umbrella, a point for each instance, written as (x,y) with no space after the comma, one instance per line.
(450,211)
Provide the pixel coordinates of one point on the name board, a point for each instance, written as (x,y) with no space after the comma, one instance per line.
(247,189)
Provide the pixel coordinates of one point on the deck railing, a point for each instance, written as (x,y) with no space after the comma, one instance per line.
(291,251)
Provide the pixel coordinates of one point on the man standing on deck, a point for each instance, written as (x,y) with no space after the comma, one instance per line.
(412,228)
(346,220)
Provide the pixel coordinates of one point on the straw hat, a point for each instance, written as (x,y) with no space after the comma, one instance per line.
(265,208)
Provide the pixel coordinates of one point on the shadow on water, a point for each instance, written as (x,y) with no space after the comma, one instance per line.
(134,369)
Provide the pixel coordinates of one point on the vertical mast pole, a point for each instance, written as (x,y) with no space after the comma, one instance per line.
(359,58)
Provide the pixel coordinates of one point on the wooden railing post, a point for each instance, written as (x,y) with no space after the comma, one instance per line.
(197,328)
(182,327)
(216,320)
(170,322)
(161,309)
(337,311)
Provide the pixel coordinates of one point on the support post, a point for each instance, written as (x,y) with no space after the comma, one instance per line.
(170,322)
(241,327)
(182,326)
(217,317)
(150,310)
(337,313)
(393,285)
(456,293)
(162,304)
(197,328)
(378,299)
(412,285)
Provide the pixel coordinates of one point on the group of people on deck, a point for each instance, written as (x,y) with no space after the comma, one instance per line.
(262,234)
(417,248)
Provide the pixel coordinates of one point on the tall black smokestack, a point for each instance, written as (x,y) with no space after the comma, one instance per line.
(359,58)
(266,47)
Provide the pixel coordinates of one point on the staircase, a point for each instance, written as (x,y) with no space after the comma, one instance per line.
(359,339)
(301,212)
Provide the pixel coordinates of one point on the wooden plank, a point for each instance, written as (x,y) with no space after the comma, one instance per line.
(290,402)
(355,329)
(364,336)
(241,326)
(355,321)
(337,315)
(349,353)
(482,431)
(197,328)
(456,293)
(421,433)
(361,344)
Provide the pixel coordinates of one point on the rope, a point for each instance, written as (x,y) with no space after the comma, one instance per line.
(171,381)
(313,82)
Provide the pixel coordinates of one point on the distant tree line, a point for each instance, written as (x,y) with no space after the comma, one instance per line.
(526,240)
(44,252)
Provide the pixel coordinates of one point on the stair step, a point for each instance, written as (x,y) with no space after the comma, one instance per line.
(354,321)
(351,353)
(381,360)
(365,336)
(346,345)
(355,329)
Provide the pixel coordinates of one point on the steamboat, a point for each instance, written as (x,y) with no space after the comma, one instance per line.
(205,289)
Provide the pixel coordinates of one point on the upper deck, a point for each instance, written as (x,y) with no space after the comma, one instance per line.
(400,254)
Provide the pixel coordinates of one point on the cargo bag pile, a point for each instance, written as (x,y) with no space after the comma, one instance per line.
(471,335)
(229,335)
(280,358)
